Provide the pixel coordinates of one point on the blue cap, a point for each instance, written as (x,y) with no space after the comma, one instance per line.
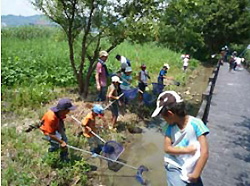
(63,104)
(98,109)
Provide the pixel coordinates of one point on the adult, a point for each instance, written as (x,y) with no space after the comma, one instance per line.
(101,76)
(52,125)
(124,62)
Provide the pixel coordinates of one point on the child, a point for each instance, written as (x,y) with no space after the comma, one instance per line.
(112,95)
(185,62)
(162,74)
(185,141)
(143,79)
(89,125)
(126,79)
(52,125)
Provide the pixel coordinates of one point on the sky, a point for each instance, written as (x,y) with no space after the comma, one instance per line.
(18,7)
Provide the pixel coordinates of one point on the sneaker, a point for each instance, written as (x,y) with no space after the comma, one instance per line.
(94,155)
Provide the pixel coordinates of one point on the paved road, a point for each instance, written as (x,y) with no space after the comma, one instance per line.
(229,124)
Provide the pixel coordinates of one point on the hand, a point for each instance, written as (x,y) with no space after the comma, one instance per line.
(88,128)
(117,97)
(63,144)
(98,87)
(193,177)
(191,149)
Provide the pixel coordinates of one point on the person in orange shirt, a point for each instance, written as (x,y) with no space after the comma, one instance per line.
(52,125)
(89,124)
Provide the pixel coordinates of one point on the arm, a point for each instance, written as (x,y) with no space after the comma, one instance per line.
(139,77)
(177,150)
(110,95)
(148,75)
(201,161)
(54,137)
(97,78)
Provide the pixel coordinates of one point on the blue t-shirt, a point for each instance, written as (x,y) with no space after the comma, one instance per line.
(161,74)
(125,79)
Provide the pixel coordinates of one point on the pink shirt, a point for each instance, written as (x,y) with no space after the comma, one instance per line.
(100,70)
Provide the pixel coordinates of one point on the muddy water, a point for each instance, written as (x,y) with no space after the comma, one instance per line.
(147,148)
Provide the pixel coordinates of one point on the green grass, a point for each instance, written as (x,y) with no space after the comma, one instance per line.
(26,162)
(35,61)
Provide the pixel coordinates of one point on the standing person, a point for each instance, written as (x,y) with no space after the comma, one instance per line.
(52,125)
(143,81)
(222,55)
(112,96)
(89,124)
(162,74)
(101,76)
(124,62)
(185,141)
(185,62)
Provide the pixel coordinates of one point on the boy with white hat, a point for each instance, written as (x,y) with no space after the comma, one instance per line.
(112,95)
(185,143)
(126,79)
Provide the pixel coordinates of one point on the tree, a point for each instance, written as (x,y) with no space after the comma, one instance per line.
(96,22)
(203,27)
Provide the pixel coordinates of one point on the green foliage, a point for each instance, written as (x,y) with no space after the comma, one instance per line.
(23,162)
(42,59)
(203,27)
(28,32)
(23,96)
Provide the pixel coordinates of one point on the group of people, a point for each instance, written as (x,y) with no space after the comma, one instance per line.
(234,61)
(120,81)
(185,142)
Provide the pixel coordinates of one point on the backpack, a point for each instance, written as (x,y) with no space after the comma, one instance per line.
(128,62)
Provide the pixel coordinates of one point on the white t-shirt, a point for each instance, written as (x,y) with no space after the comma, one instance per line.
(123,61)
(194,128)
(185,62)
(238,60)
(144,76)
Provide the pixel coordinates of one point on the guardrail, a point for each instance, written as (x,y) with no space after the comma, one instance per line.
(207,96)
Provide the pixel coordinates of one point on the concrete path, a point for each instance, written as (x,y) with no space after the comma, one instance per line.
(229,124)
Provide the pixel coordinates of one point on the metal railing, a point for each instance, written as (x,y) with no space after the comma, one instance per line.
(207,96)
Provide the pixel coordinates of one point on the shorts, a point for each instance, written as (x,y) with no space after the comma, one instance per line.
(142,86)
(174,179)
(115,109)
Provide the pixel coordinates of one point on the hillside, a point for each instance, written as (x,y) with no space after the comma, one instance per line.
(12,20)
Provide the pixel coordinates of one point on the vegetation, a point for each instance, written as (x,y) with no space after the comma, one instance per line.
(32,67)
(25,162)
(203,27)
(111,20)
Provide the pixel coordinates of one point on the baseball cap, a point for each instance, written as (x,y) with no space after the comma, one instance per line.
(166,99)
(98,109)
(167,66)
(128,69)
(103,53)
(63,104)
(116,79)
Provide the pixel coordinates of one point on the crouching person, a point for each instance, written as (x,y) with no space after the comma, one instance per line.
(89,126)
(52,125)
